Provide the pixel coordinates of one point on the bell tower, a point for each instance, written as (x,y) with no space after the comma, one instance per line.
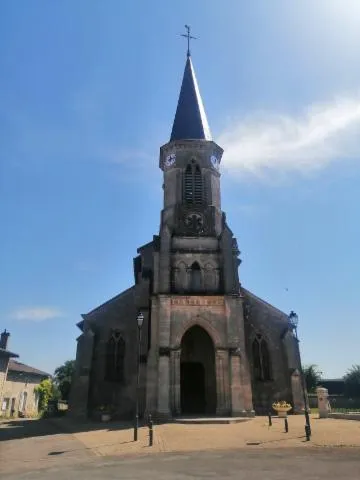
(193,230)
(197,361)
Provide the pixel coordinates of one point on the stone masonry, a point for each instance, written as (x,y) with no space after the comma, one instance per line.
(208,346)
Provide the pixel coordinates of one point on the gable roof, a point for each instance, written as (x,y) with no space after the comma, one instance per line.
(15,366)
(251,295)
(104,307)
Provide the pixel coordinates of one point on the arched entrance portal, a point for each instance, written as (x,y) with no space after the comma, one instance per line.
(197,372)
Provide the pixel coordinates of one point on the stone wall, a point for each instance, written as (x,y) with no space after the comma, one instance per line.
(271,323)
(18,384)
(4,362)
(336,401)
(345,416)
(120,395)
(221,318)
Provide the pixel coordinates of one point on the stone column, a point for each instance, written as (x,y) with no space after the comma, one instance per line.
(237,401)
(163,409)
(142,389)
(323,402)
(175,406)
(222,382)
(164,320)
(152,361)
(297,392)
(246,386)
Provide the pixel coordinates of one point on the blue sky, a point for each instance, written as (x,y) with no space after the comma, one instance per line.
(88,94)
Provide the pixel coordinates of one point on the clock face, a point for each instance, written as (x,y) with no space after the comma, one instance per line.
(170,160)
(214,161)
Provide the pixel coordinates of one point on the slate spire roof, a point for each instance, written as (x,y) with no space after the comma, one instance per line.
(190,119)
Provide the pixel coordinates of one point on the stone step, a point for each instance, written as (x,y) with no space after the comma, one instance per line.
(210,420)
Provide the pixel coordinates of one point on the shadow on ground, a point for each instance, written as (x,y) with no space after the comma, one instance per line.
(26,428)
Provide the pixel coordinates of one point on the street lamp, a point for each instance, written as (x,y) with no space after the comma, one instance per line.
(293,323)
(140,321)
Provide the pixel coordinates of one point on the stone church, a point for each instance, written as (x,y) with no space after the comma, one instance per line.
(208,346)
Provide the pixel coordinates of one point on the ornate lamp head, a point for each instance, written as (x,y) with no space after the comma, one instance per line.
(293,320)
(140,319)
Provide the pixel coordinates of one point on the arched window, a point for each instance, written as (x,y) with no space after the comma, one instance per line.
(193,184)
(115,356)
(195,277)
(261,359)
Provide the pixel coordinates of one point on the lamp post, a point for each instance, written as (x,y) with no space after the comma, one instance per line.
(140,320)
(293,323)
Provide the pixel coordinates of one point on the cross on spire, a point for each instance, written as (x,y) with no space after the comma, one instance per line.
(189,37)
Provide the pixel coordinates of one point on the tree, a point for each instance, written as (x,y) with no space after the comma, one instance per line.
(352,382)
(63,377)
(312,376)
(45,391)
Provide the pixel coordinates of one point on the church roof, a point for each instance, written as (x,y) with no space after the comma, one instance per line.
(6,353)
(259,300)
(105,307)
(190,121)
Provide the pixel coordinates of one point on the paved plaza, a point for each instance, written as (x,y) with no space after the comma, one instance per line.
(59,448)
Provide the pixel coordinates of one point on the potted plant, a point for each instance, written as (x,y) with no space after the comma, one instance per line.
(282,408)
(105,413)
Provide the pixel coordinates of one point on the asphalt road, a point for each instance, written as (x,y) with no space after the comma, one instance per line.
(284,464)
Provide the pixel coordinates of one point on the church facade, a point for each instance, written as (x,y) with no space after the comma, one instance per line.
(208,346)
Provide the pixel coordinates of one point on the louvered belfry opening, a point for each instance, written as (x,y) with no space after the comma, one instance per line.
(193,185)
(198,190)
(188,185)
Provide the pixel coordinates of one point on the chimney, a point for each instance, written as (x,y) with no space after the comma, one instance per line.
(4,339)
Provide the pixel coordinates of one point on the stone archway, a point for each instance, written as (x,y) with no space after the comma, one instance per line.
(197,372)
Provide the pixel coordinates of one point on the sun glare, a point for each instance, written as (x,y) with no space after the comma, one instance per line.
(344,12)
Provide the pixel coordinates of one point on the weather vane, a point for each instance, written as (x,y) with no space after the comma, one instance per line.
(189,37)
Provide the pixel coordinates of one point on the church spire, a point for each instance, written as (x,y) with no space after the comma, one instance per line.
(190,121)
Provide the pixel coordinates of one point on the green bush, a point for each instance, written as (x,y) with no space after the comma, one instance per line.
(45,391)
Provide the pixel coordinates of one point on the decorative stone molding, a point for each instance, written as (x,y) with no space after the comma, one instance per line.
(164,351)
(198,301)
(214,334)
(235,351)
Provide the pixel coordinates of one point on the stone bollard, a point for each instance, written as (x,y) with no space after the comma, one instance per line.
(323,402)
